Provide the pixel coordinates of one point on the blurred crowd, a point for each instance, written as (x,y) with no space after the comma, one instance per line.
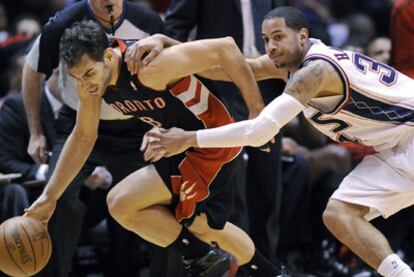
(280,195)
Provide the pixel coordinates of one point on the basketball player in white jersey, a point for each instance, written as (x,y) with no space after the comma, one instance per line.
(348,97)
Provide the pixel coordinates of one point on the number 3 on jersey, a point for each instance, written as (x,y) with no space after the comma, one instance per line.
(388,75)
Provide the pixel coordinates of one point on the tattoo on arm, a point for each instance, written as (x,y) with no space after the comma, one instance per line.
(309,80)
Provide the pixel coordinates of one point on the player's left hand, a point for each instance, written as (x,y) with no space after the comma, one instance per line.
(267,147)
(143,52)
(169,142)
(151,153)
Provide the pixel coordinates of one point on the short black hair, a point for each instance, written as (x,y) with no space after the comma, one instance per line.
(294,18)
(84,37)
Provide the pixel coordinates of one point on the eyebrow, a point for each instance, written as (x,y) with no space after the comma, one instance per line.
(275,31)
(88,71)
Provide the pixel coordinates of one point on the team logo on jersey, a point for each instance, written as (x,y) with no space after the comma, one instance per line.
(186,192)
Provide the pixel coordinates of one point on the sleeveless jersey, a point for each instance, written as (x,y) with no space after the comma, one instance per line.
(376,107)
(188,104)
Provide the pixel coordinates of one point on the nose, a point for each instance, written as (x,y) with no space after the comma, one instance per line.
(271,48)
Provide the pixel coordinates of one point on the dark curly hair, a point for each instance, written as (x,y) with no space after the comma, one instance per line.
(84,37)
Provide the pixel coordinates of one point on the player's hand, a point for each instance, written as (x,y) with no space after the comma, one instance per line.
(37,149)
(170,142)
(42,209)
(143,52)
(152,154)
(267,147)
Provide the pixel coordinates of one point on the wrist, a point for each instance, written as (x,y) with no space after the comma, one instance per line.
(191,139)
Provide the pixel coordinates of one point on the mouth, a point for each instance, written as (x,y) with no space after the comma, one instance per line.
(275,56)
(94,90)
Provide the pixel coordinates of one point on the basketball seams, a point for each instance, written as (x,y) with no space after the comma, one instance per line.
(31,245)
(8,250)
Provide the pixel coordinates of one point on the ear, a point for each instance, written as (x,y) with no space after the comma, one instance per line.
(303,36)
(108,55)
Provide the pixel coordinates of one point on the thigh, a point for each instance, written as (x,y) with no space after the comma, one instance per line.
(374,183)
(142,188)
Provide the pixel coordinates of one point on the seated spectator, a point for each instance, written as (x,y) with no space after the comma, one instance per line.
(14,138)
(380,49)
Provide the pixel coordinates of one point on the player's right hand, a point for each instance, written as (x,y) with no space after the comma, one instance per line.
(42,209)
(143,52)
(37,149)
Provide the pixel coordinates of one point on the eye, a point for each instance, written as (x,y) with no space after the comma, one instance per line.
(277,37)
(89,74)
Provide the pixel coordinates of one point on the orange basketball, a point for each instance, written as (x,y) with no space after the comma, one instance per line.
(25,246)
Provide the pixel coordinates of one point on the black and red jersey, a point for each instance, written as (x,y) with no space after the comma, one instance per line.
(188,104)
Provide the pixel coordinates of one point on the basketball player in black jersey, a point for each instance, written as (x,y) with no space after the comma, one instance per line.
(117,133)
(182,202)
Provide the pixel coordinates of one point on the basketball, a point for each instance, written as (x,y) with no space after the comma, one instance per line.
(25,246)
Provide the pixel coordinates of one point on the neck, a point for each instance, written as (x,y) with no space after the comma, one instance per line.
(115,67)
(301,57)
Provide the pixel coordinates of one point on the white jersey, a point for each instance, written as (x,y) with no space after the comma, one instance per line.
(377,104)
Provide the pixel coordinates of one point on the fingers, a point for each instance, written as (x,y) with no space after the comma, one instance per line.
(133,58)
(144,143)
(154,154)
(152,54)
(39,155)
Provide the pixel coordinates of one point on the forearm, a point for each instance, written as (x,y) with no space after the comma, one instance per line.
(31,82)
(254,132)
(235,66)
(74,155)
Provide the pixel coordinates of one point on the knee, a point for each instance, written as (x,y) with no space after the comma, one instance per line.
(117,207)
(339,215)
(15,191)
(332,214)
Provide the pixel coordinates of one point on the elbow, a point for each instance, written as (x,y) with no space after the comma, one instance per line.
(260,131)
(256,141)
(228,46)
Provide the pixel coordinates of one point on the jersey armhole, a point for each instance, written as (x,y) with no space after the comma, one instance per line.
(344,79)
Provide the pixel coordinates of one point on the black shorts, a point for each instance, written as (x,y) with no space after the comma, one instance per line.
(201,182)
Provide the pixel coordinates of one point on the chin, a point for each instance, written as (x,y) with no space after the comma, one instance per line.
(280,65)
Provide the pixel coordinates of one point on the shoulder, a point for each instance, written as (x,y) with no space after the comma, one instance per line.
(144,18)
(65,18)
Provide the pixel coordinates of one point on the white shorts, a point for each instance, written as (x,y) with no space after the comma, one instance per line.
(384,182)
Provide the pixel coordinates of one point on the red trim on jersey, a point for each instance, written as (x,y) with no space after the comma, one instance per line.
(122,46)
(197,96)
(199,168)
(347,84)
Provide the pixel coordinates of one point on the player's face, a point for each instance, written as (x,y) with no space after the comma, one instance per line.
(380,50)
(92,76)
(283,45)
(100,7)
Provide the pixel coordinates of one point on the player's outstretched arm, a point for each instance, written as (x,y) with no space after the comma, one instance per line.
(315,78)
(74,154)
(193,57)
